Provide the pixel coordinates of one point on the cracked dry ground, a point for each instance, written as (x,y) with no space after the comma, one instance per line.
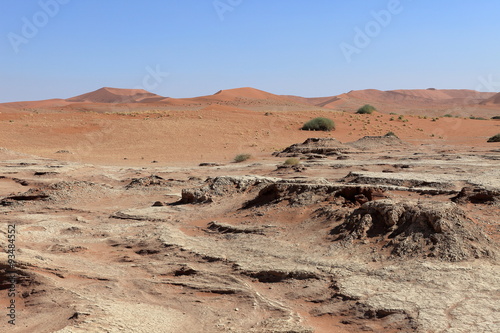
(337,245)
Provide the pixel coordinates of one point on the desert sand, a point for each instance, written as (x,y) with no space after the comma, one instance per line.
(131,215)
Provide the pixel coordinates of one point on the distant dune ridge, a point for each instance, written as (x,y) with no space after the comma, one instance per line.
(252,99)
(114,95)
(495,100)
(421,97)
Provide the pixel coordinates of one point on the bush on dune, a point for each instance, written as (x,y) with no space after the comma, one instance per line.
(366,109)
(292,161)
(391,134)
(241,158)
(319,124)
(495,138)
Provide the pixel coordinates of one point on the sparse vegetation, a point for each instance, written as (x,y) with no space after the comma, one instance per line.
(495,138)
(319,124)
(448,115)
(292,161)
(477,118)
(242,157)
(496,117)
(366,109)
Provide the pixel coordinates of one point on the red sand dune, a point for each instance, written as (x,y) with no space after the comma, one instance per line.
(249,93)
(432,102)
(494,100)
(47,103)
(317,101)
(240,98)
(115,95)
(414,97)
(240,94)
(446,94)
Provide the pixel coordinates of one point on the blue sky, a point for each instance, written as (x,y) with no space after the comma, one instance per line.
(306,48)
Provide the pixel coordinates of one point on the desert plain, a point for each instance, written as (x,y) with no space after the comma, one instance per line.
(131,215)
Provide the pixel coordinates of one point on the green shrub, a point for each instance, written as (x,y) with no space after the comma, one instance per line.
(292,161)
(242,157)
(366,109)
(448,115)
(495,117)
(495,138)
(319,124)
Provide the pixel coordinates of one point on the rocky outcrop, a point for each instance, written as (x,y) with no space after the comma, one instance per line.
(377,142)
(315,148)
(152,180)
(279,275)
(274,190)
(411,180)
(440,230)
(31,195)
(224,228)
(477,195)
(58,192)
(222,186)
(306,194)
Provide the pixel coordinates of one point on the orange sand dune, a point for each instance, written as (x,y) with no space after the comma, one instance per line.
(249,93)
(239,94)
(418,96)
(429,102)
(495,100)
(317,101)
(115,95)
(240,98)
(47,103)
(399,98)
(446,94)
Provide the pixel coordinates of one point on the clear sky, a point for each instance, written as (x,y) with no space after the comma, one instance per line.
(63,48)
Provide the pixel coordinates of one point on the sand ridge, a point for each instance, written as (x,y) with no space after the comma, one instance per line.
(433,102)
(113,95)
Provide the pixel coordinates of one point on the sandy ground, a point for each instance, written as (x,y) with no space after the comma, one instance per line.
(191,137)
